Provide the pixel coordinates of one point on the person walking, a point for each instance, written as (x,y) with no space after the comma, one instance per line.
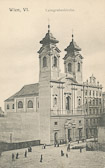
(67,155)
(13,156)
(25,154)
(41,158)
(17,156)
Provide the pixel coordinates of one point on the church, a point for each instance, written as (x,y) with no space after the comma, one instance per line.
(66,107)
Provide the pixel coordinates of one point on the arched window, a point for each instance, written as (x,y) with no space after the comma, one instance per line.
(55,61)
(12,106)
(20,104)
(55,101)
(78,67)
(68,103)
(79,102)
(7,106)
(69,67)
(44,61)
(30,104)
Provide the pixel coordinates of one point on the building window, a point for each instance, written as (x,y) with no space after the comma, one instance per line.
(55,61)
(99,101)
(96,101)
(93,111)
(7,106)
(86,92)
(44,61)
(90,111)
(55,101)
(91,121)
(86,122)
(68,103)
(86,110)
(90,93)
(79,121)
(20,104)
(79,102)
(86,101)
(93,93)
(69,67)
(93,102)
(38,104)
(100,93)
(30,104)
(55,123)
(96,93)
(13,106)
(78,67)
(100,111)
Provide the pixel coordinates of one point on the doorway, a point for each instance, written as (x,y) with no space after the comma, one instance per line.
(69,134)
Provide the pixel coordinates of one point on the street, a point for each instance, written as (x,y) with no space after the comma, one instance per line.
(52,158)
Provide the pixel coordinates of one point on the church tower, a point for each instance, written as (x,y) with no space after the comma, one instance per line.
(48,70)
(73,61)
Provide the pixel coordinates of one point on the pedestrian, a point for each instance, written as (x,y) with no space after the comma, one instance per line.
(80,149)
(25,154)
(41,158)
(68,148)
(67,155)
(13,156)
(44,146)
(17,156)
(62,154)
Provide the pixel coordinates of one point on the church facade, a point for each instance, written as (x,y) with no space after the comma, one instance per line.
(68,108)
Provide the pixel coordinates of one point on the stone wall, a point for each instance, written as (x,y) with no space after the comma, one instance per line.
(18,127)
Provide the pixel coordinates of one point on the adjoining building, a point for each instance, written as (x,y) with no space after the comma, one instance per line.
(67,108)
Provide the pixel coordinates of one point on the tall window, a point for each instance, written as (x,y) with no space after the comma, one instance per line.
(78,67)
(30,104)
(20,104)
(79,102)
(12,106)
(68,103)
(86,92)
(93,102)
(55,101)
(69,67)
(7,106)
(44,61)
(55,61)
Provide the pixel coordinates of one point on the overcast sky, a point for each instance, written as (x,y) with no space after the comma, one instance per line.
(20,33)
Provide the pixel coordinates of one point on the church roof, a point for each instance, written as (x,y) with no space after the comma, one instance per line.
(49,38)
(27,90)
(73,46)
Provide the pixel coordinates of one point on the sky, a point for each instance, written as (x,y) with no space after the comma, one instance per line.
(21,31)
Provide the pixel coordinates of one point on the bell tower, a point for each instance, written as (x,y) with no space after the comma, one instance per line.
(49,70)
(73,61)
(49,57)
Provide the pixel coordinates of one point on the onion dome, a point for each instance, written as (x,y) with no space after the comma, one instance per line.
(49,38)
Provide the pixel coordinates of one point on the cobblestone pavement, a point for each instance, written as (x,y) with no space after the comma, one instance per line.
(52,158)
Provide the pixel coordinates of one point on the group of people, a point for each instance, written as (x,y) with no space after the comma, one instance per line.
(26,153)
(17,154)
(68,150)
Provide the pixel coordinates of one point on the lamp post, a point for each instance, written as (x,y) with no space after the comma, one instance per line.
(73,126)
